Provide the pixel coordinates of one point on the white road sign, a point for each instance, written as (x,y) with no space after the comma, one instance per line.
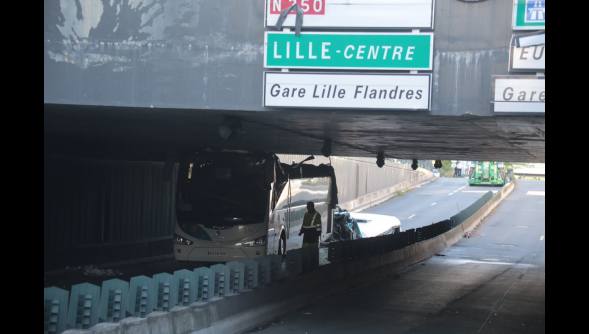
(519,94)
(355,13)
(346,90)
(529,58)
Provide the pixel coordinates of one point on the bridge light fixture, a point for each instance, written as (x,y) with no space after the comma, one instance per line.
(414,164)
(225,132)
(229,127)
(380,159)
(326,149)
(438,164)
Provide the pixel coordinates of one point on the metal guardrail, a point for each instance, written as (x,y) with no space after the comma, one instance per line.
(354,249)
(460,217)
(88,304)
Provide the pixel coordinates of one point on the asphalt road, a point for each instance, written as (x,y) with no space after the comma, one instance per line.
(492,282)
(432,202)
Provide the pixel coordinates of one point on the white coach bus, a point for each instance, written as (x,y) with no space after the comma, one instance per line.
(235,205)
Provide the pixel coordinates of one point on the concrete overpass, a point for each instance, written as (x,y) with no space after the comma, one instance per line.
(534,170)
(153,78)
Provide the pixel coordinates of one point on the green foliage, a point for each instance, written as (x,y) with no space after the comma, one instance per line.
(447,169)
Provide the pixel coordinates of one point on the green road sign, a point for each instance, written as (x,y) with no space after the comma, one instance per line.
(529,14)
(334,50)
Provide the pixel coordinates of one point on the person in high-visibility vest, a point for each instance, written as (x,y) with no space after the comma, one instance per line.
(311,227)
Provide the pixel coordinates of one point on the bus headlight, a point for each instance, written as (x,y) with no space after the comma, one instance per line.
(182,241)
(261,241)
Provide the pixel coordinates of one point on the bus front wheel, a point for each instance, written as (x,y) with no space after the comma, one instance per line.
(282,244)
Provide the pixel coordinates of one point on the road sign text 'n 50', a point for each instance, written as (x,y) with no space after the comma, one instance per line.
(379,14)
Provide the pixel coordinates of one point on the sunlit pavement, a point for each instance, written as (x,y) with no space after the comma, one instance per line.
(492,282)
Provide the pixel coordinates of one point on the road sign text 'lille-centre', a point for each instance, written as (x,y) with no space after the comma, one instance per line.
(334,50)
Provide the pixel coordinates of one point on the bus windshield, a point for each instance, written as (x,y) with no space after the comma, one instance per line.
(224,191)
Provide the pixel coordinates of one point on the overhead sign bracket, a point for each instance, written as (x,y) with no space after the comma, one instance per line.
(299,18)
(530,39)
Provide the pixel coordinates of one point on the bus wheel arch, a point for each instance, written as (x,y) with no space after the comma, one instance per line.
(282,242)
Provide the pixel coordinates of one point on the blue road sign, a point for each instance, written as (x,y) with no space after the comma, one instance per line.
(535,11)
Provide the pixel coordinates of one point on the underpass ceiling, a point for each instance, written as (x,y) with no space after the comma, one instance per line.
(206,58)
(157,134)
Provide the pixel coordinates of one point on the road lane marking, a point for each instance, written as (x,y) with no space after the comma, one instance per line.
(434,203)
(521,226)
(478,191)
(535,193)
(459,261)
(413,215)
(505,245)
(541,238)
(496,307)
(455,191)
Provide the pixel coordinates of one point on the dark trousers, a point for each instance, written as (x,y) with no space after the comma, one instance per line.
(310,256)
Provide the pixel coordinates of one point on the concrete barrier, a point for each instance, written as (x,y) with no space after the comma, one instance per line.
(141,296)
(160,322)
(220,277)
(187,287)
(264,270)
(106,328)
(114,300)
(205,284)
(251,274)
(166,288)
(184,320)
(134,325)
(236,282)
(83,305)
(55,310)
(473,221)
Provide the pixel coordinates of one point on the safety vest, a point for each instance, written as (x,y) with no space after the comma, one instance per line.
(313,223)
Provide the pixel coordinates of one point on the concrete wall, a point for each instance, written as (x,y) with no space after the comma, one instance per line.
(106,210)
(361,183)
(208,54)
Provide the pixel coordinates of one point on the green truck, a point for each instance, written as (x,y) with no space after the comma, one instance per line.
(486,173)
